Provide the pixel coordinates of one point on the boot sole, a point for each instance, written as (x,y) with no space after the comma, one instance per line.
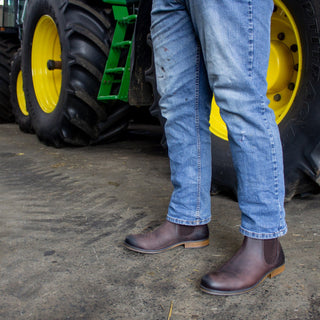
(187,244)
(270,275)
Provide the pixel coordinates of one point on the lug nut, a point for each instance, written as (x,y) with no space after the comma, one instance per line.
(294,48)
(291,86)
(281,36)
(277,97)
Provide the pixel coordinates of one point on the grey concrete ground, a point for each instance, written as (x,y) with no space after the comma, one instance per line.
(65,212)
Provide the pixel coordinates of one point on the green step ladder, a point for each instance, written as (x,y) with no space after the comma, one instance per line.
(115,77)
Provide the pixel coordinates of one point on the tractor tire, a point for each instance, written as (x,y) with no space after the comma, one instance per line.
(64,52)
(17,98)
(294,96)
(8,46)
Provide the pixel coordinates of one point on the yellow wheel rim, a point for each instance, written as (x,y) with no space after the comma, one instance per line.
(284,70)
(20,95)
(45,47)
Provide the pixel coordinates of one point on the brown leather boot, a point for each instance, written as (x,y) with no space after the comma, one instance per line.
(250,266)
(169,235)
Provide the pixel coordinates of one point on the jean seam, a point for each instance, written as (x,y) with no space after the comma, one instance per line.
(274,162)
(197,125)
(250,39)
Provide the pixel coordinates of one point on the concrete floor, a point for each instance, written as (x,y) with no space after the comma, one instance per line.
(65,212)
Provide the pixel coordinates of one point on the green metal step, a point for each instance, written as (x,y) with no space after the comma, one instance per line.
(128,19)
(122,44)
(115,70)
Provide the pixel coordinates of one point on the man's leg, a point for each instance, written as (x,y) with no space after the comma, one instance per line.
(185,103)
(235,38)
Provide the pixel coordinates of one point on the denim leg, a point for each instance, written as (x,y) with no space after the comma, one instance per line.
(235,39)
(185,103)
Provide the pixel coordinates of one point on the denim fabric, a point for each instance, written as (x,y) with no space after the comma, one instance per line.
(200,47)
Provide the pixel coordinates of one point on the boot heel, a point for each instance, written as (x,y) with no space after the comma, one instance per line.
(196,244)
(276,272)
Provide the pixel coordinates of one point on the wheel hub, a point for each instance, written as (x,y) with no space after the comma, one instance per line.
(20,95)
(46,47)
(281,66)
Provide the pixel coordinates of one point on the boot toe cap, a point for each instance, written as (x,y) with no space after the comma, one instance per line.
(207,282)
(131,241)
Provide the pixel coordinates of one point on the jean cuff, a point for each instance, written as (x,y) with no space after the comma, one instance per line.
(196,222)
(264,235)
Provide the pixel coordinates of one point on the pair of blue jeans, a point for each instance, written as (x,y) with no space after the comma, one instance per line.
(222,47)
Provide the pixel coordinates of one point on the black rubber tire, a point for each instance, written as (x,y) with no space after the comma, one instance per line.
(300,129)
(85,32)
(21,118)
(8,46)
